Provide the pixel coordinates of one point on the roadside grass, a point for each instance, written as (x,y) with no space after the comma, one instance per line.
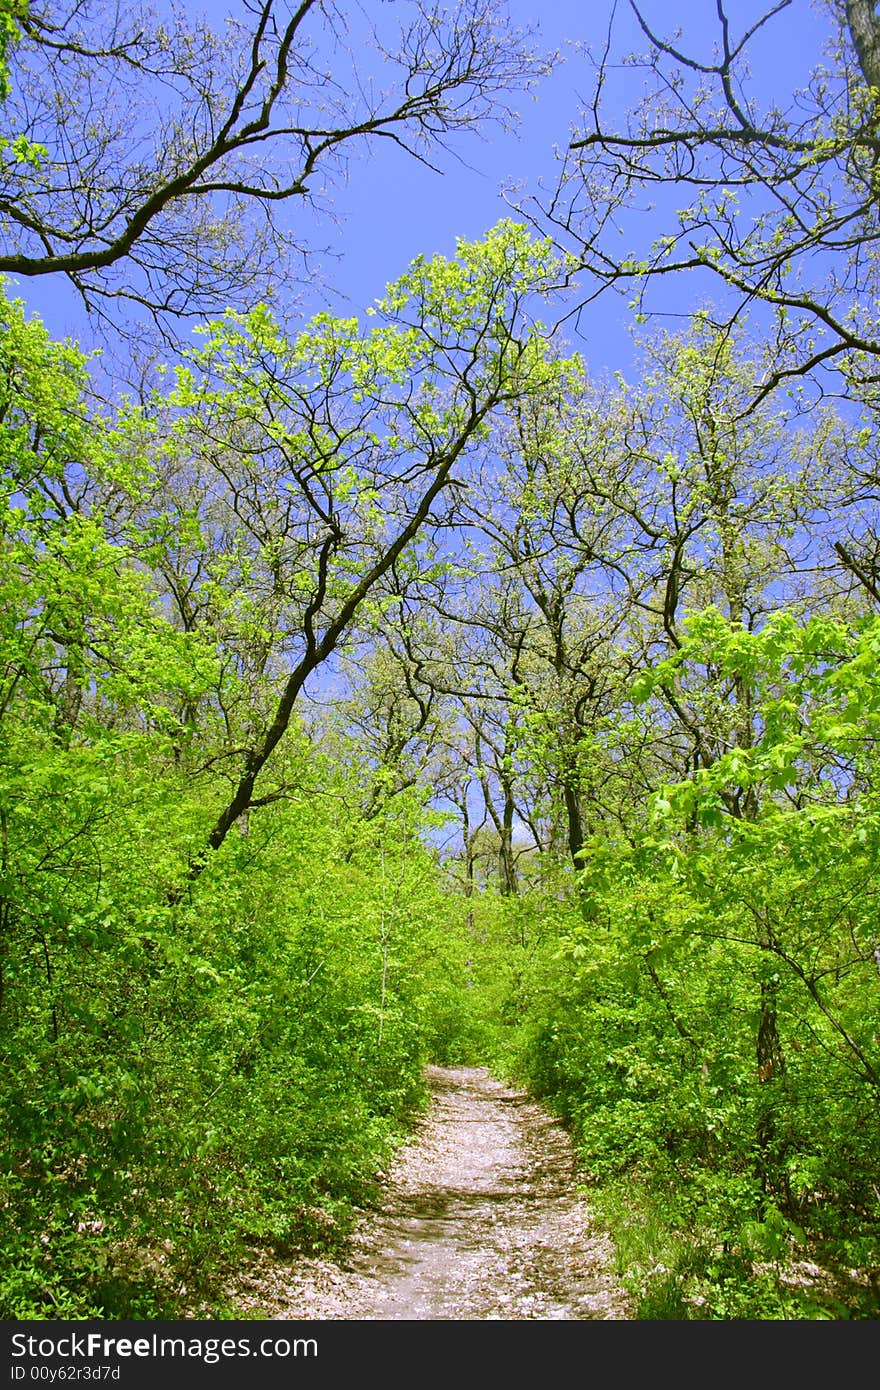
(677,1267)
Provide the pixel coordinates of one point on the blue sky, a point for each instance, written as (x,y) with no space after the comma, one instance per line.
(392,209)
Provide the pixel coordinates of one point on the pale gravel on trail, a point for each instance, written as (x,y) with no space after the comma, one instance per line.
(481,1219)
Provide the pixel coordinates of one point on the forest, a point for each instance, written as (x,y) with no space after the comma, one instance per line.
(402,687)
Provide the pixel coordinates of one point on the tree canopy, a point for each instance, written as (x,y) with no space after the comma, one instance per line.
(409,687)
(774,192)
(153,153)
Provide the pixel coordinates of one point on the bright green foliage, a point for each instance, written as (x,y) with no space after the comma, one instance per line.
(10,12)
(19,148)
(230,940)
(643,1028)
(194,1064)
(670,683)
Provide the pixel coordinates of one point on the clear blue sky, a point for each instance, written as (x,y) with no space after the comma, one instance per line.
(392,209)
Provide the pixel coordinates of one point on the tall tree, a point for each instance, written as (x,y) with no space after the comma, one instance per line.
(324,457)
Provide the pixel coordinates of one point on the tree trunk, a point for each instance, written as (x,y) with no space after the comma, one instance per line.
(575,821)
(506,860)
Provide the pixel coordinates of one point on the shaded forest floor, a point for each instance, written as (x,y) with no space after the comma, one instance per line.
(481,1218)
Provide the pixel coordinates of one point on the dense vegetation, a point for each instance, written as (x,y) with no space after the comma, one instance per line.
(376,693)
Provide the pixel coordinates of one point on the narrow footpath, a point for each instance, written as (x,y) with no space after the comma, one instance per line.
(481,1219)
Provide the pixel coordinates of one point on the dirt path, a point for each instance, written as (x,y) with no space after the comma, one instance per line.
(482,1219)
